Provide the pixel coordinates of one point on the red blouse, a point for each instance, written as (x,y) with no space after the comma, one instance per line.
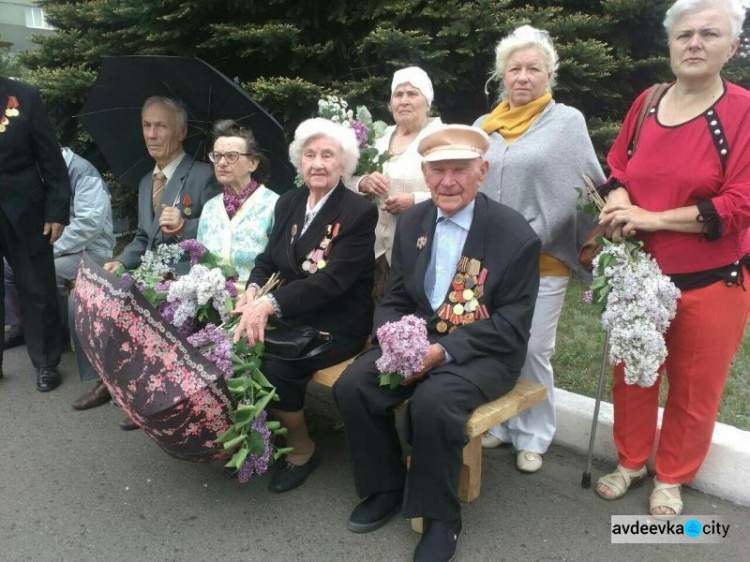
(683,165)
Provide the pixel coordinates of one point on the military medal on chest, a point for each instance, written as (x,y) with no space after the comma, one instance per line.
(318,257)
(11,110)
(462,305)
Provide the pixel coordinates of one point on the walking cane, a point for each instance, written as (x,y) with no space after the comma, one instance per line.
(586,478)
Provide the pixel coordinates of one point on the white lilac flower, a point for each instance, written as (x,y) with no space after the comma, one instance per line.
(640,305)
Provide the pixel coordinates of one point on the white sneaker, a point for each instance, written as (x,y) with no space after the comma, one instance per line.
(526,461)
(489,441)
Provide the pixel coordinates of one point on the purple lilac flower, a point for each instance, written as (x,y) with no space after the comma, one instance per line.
(194,248)
(588,297)
(126,277)
(163,286)
(360,130)
(404,344)
(231,289)
(215,346)
(257,464)
(167,310)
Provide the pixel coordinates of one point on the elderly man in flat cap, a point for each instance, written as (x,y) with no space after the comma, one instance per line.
(459,241)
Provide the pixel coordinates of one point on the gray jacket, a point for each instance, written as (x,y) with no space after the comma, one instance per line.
(90,227)
(191,185)
(537,176)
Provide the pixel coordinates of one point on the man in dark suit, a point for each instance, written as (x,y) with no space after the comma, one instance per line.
(170,201)
(34,207)
(470,268)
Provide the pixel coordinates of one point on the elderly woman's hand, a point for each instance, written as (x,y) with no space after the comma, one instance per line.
(247,297)
(616,198)
(54,230)
(253,322)
(622,218)
(398,203)
(376,184)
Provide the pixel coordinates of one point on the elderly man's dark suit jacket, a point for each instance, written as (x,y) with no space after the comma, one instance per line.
(200,185)
(34,184)
(488,353)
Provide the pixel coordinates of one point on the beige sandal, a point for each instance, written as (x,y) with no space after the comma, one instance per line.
(665,495)
(629,479)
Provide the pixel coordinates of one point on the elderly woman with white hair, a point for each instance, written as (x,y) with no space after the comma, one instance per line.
(321,246)
(539,152)
(402,184)
(685,192)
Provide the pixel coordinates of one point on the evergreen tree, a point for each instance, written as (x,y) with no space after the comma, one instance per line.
(287,54)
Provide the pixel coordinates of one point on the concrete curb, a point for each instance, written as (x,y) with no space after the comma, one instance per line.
(723,474)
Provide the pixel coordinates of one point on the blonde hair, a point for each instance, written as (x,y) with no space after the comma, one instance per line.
(523,38)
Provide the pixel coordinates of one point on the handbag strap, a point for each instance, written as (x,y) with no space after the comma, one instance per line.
(652,100)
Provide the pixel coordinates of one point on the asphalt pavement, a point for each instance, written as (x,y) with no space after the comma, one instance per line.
(74,487)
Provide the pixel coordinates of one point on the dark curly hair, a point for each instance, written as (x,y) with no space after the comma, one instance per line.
(229,128)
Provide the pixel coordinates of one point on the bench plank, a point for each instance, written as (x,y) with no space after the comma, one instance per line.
(524,395)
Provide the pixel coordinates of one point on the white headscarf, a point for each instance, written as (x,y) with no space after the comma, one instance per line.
(417,78)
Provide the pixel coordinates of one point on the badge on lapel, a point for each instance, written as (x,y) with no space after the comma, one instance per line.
(318,257)
(187,203)
(462,305)
(421,242)
(11,110)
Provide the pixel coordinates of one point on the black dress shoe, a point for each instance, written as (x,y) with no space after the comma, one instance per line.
(439,542)
(47,378)
(375,510)
(14,337)
(288,476)
(95,397)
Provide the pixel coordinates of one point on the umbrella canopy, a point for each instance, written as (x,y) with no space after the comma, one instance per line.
(178,397)
(112,113)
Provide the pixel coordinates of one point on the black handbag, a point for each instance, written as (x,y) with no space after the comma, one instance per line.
(290,342)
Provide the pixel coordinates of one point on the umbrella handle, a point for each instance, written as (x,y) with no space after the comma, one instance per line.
(586,477)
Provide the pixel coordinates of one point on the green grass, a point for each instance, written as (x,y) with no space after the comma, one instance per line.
(578,357)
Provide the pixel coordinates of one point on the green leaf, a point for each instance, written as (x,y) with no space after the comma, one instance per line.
(240,456)
(257,444)
(228,435)
(234,442)
(260,378)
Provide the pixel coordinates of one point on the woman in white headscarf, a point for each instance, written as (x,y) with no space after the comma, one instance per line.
(401,184)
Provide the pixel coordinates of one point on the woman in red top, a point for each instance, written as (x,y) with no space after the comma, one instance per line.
(685,192)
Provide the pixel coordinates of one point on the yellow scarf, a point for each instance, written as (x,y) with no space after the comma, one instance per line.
(512,123)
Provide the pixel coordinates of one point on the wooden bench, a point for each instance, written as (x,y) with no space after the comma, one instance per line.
(524,395)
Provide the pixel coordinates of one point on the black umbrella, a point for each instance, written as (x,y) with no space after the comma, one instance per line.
(112,113)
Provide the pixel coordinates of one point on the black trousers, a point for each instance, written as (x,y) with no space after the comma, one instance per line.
(37,293)
(435,418)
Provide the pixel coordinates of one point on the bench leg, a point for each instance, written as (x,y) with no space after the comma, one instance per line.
(471,471)
(417,524)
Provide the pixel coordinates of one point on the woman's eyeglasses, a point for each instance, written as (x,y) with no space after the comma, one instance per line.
(231,157)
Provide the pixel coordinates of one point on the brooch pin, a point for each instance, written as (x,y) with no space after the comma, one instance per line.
(11,111)
(421,242)
(186,203)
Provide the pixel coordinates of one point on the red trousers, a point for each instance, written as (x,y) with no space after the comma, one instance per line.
(701,341)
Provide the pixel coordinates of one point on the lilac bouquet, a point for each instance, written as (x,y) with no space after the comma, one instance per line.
(366,130)
(405,345)
(198,304)
(638,302)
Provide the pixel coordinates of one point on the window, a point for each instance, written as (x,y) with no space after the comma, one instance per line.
(36,19)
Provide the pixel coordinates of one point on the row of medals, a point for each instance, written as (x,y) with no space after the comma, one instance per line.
(9,112)
(463,305)
(316,259)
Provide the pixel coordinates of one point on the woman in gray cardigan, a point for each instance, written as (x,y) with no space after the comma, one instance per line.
(540,151)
